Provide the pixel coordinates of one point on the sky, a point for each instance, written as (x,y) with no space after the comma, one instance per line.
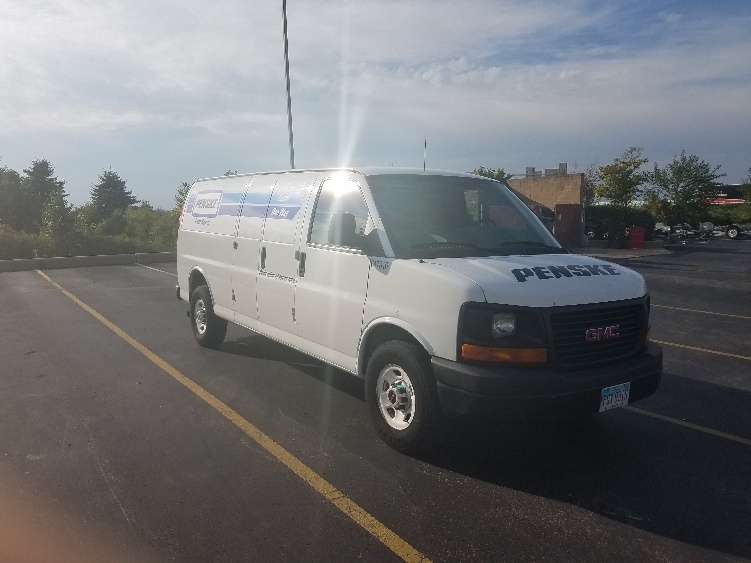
(170,91)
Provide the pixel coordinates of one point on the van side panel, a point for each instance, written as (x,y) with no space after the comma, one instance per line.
(206,236)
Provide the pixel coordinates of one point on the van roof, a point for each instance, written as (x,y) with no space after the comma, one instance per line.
(365,171)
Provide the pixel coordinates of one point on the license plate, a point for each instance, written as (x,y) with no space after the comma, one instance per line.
(614,397)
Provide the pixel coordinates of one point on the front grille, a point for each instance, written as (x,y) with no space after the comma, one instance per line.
(571,350)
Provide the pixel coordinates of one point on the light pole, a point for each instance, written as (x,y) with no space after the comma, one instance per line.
(289,96)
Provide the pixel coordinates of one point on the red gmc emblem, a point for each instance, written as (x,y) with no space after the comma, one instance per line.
(602,333)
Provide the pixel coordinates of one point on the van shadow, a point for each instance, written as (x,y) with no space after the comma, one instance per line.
(262,348)
(662,478)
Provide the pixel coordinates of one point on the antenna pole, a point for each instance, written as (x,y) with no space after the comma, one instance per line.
(289,96)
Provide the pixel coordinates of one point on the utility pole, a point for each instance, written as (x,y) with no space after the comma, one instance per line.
(289,96)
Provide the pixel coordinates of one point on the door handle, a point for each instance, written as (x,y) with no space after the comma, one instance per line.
(263,258)
(301,267)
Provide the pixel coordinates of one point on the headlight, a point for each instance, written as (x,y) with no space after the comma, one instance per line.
(503,324)
(497,334)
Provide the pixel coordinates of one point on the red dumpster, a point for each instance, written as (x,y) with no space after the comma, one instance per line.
(636,237)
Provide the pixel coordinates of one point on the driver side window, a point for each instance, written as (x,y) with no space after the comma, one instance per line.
(341,216)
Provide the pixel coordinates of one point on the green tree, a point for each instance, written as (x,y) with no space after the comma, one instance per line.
(495,174)
(37,186)
(181,194)
(620,181)
(110,195)
(154,228)
(683,190)
(84,219)
(10,197)
(57,223)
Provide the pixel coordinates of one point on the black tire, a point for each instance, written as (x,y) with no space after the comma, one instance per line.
(402,397)
(733,232)
(208,329)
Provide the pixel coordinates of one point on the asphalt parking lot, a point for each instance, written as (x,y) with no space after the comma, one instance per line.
(122,440)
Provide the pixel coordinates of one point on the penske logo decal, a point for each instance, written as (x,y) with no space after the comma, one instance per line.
(555,272)
(207,204)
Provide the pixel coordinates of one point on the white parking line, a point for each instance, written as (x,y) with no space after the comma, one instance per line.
(680,422)
(703,312)
(156,269)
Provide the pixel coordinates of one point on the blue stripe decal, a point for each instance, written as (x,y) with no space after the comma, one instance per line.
(254,210)
(286,205)
(231,209)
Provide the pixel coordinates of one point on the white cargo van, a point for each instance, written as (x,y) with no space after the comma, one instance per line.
(442,291)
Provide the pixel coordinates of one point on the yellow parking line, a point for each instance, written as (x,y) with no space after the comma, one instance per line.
(703,312)
(680,422)
(705,350)
(156,269)
(323,487)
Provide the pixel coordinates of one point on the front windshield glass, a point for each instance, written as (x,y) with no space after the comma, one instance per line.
(430,216)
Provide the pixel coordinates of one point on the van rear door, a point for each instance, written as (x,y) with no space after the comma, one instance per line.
(248,248)
(279,252)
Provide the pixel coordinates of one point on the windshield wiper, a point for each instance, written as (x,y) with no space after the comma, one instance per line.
(537,246)
(445,244)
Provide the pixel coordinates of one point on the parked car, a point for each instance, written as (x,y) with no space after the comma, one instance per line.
(683,231)
(661,230)
(734,231)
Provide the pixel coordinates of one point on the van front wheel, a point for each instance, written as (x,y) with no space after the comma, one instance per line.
(208,329)
(402,397)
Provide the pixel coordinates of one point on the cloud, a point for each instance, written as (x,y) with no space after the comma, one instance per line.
(503,79)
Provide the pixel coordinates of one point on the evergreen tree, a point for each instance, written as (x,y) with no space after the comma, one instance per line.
(110,194)
(181,194)
(37,186)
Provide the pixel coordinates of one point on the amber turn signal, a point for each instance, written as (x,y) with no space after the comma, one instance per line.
(507,355)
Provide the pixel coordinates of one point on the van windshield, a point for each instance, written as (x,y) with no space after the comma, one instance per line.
(431,216)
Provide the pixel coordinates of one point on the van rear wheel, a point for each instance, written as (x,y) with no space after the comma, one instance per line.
(402,397)
(208,329)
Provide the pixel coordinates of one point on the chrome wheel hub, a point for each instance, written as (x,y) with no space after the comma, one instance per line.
(199,316)
(396,397)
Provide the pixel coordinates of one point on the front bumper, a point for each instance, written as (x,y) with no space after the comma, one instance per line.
(540,394)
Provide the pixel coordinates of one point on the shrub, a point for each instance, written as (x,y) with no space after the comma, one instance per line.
(14,244)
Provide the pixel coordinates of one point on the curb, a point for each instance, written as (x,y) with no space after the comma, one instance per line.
(24,264)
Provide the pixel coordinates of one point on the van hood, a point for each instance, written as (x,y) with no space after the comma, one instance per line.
(547,280)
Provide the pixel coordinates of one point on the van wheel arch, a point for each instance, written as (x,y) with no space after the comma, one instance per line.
(377,336)
(196,279)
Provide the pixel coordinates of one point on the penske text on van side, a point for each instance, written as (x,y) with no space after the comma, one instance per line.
(443,291)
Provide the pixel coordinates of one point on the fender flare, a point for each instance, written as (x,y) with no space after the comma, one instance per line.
(387,322)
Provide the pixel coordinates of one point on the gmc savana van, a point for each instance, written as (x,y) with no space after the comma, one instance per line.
(441,290)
